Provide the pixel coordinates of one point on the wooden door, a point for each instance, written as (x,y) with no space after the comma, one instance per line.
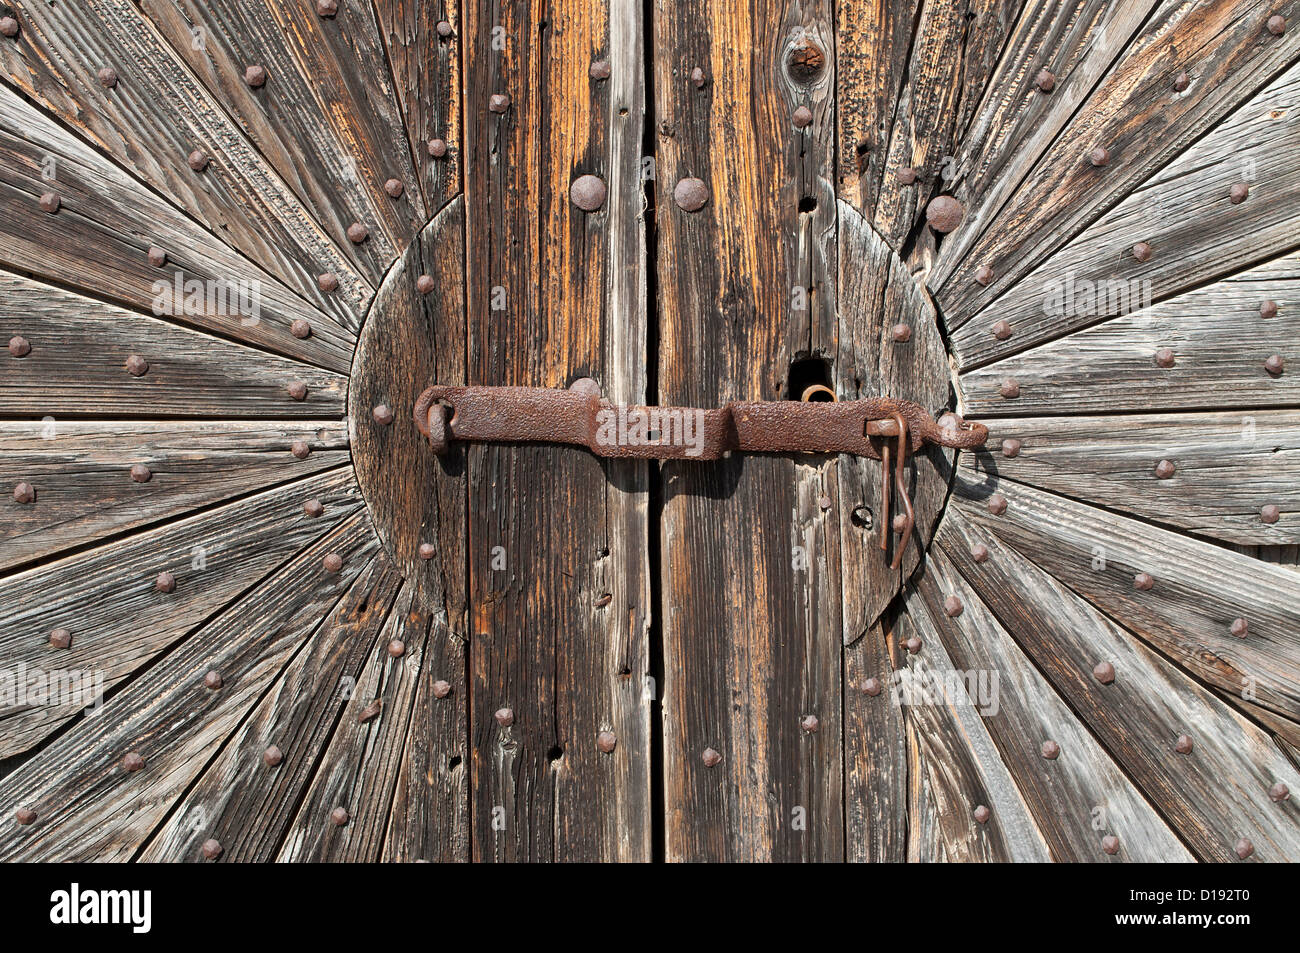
(247,613)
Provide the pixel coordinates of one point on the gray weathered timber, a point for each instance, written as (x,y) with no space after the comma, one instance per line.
(875,755)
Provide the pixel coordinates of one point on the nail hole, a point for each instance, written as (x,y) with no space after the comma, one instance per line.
(805,373)
(555,754)
(808,204)
(454,763)
(862,517)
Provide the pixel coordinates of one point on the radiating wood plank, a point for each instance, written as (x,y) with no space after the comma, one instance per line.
(327,119)
(1198,589)
(171,718)
(1218,337)
(1136,114)
(875,755)
(1077,798)
(153,118)
(1195,231)
(1213,795)
(118,621)
(1227,468)
(240,800)
(82,472)
(745,662)
(557,538)
(954,766)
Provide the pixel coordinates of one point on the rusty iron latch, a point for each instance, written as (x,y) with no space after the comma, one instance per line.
(882,428)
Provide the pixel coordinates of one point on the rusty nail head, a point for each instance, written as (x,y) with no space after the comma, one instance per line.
(1279,792)
(982,814)
(441,688)
(1110,844)
(108,77)
(443,28)
(394,188)
(1051,750)
(298,390)
(1240,627)
(300,328)
(1009,389)
(19,346)
(906,175)
(1011,447)
(1104,672)
(1268,309)
(424,284)
(24,815)
(339,816)
(505,717)
(198,161)
(1143,581)
(1142,251)
(371,711)
(913,645)
(397,648)
(1183,745)
(1277,24)
(141,473)
(952,607)
(383,414)
(984,275)
(437,148)
(1270,513)
(1165,358)
(132,762)
(50,202)
(24,493)
(944,213)
(157,256)
(690,194)
(606,742)
(1165,469)
(902,333)
(1181,81)
(900,523)
(1001,330)
(357,233)
(824,502)
(427,550)
(255,76)
(809,723)
(332,562)
(212,681)
(586,386)
(1243,848)
(604,600)
(710,758)
(1046,80)
(8,26)
(60,639)
(1238,193)
(588,192)
(272,756)
(997,504)
(165,583)
(499,102)
(1275,365)
(871,686)
(1099,156)
(326,8)
(802,117)
(599,69)
(313,508)
(697,77)
(211,849)
(327,281)
(300,449)
(979,552)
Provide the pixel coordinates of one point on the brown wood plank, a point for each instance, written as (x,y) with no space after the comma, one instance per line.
(327,119)
(118,621)
(875,755)
(1227,468)
(1215,794)
(241,801)
(1136,114)
(153,118)
(746,659)
(1195,231)
(1219,341)
(171,718)
(86,492)
(1077,798)
(558,575)
(1198,590)
(954,767)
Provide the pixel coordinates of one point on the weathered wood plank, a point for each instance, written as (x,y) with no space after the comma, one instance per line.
(954,766)
(1218,337)
(153,118)
(86,491)
(746,660)
(1138,116)
(557,538)
(118,621)
(1213,795)
(241,801)
(875,755)
(1195,231)
(1076,798)
(171,718)
(1227,468)
(327,119)
(1198,589)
